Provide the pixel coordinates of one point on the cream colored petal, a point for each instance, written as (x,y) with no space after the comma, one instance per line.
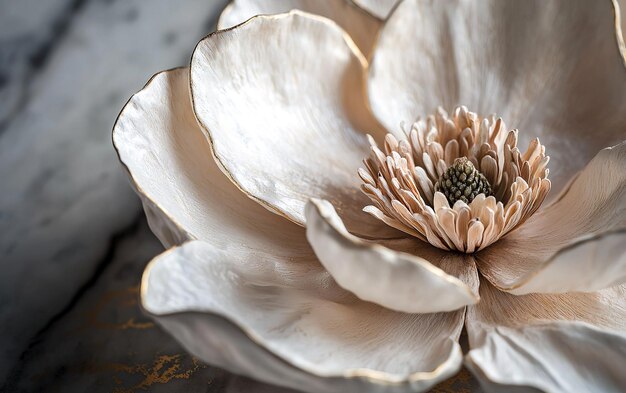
(185,195)
(279,98)
(555,343)
(361,25)
(576,244)
(398,281)
(620,21)
(380,8)
(283,320)
(570,91)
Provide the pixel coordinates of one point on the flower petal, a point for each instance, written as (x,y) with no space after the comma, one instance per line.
(576,244)
(283,320)
(379,8)
(362,26)
(279,98)
(620,24)
(484,54)
(555,343)
(169,161)
(398,281)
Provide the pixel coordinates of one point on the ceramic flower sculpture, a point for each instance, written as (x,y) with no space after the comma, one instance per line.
(340,202)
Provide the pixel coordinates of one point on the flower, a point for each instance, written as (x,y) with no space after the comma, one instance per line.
(247,161)
(428,186)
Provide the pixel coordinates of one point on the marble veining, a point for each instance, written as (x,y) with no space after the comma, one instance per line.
(64,195)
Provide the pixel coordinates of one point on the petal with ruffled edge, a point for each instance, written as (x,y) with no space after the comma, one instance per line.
(280,99)
(556,343)
(184,193)
(576,244)
(570,91)
(283,320)
(396,280)
(170,164)
(362,26)
(379,8)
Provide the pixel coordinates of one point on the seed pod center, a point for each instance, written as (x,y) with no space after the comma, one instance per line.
(462,182)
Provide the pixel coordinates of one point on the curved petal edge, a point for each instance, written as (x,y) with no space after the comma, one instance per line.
(587,253)
(574,356)
(280,100)
(184,194)
(576,244)
(395,280)
(360,24)
(284,321)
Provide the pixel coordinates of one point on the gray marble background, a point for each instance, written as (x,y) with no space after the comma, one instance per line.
(73,239)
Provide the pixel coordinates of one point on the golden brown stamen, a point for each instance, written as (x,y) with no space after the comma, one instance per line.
(401,180)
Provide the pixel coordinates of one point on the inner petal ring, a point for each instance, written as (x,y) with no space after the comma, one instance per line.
(405,180)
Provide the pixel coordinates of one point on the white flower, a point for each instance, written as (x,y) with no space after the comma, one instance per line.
(265,132)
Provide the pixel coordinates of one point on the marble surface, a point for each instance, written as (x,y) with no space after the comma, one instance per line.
(73,237)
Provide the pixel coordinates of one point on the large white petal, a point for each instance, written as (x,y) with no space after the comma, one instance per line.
(555,343)
(280,99)
(362,26)
(282,319)
(185,195)
(576,244)
(570,90)
(396,280)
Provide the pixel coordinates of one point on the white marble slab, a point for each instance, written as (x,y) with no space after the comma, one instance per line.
(62,192)
(105,344)
(28,29)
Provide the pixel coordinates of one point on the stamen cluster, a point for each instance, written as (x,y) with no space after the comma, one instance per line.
(462,182)
(400,181)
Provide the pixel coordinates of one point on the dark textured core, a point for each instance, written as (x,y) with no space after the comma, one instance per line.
(462,182)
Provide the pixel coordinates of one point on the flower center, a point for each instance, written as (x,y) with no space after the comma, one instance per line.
(462,182)
(458,183)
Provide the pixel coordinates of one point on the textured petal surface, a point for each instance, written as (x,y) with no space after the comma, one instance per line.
(570,91)
(396,280)
(362,26)
(576,244)
(290,324)
(621,5)
(280,99)
(379,8)
(185,195)
(555,343)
